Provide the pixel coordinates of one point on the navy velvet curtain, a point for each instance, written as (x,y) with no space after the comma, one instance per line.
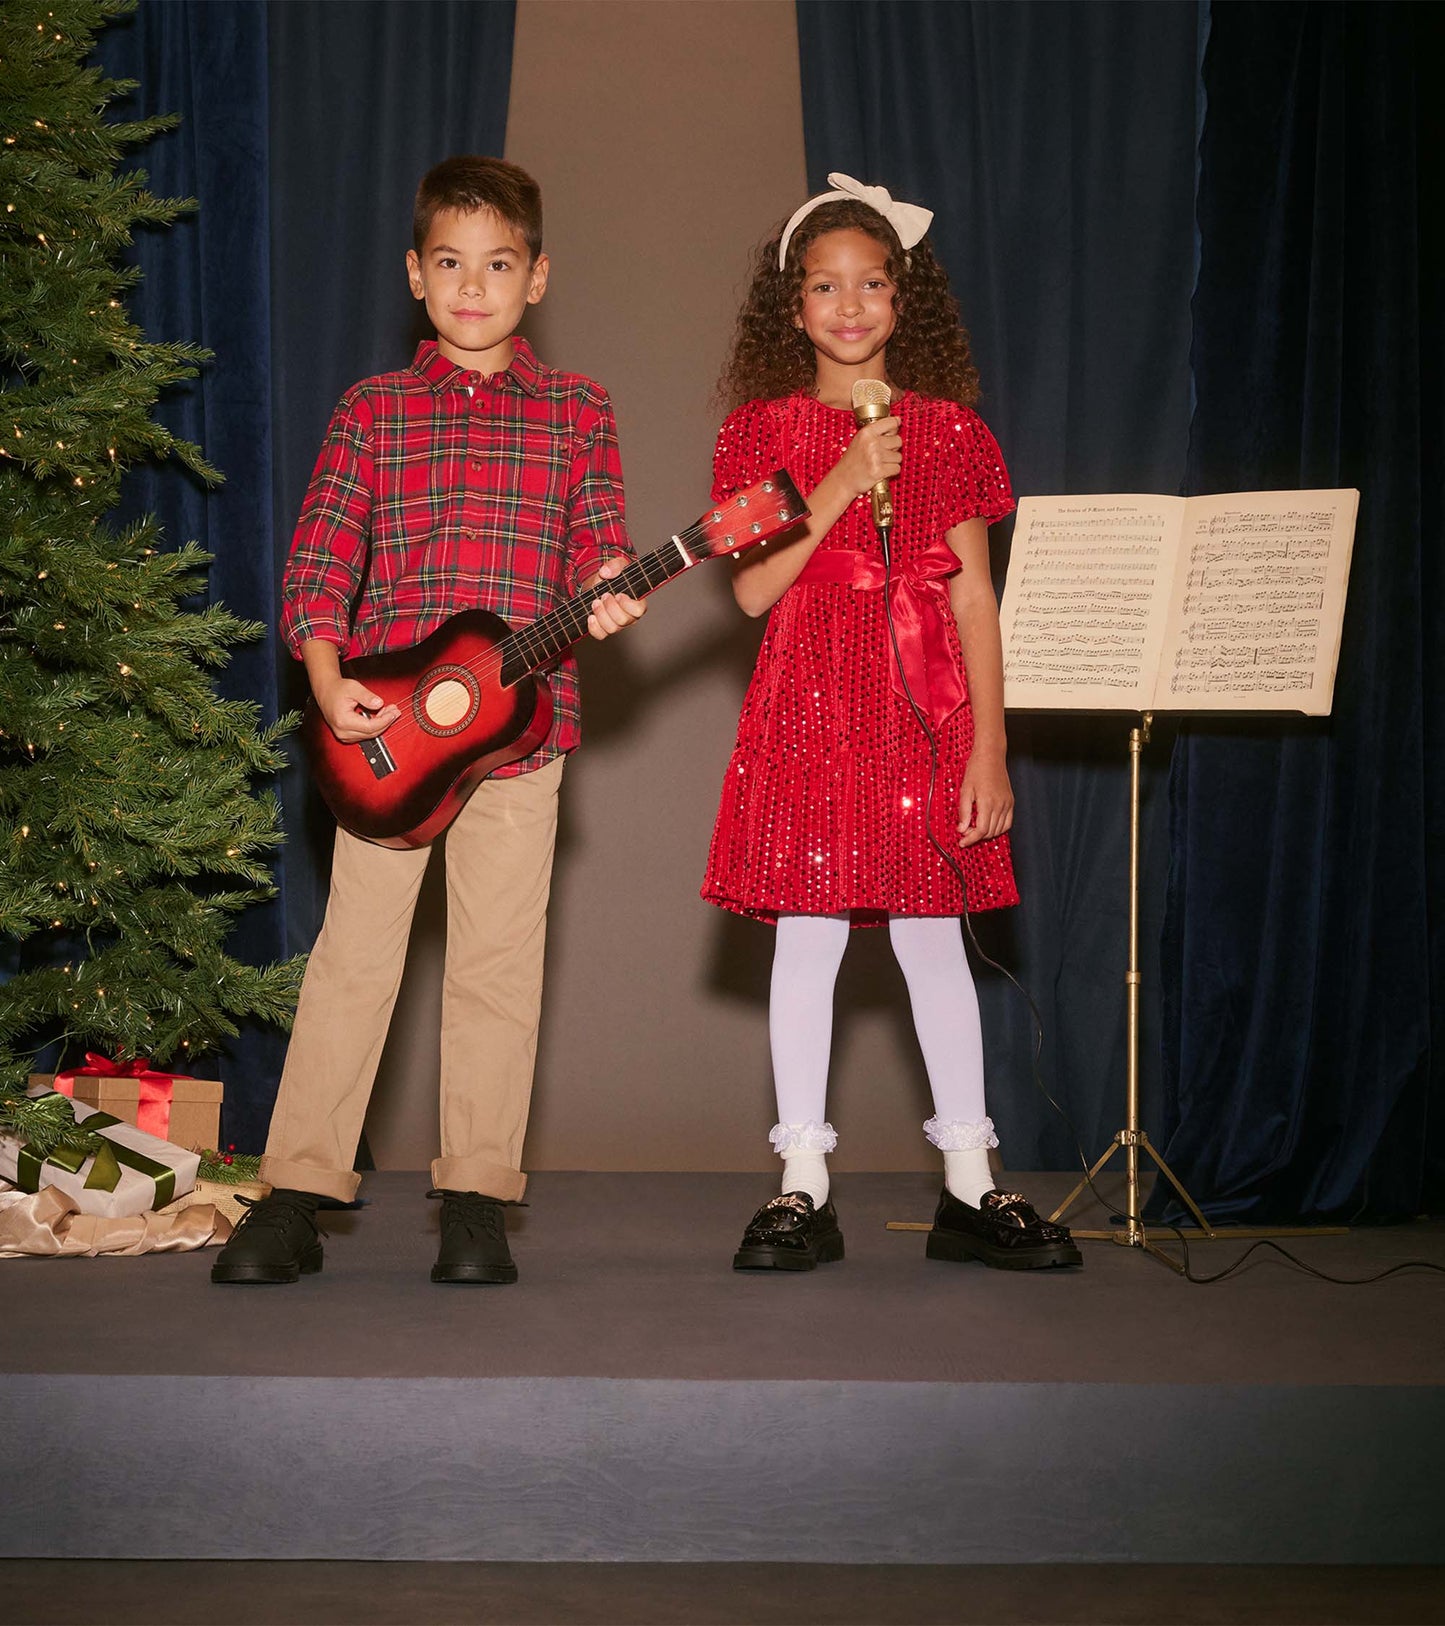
(1056,145)
(1302,945)
(305,127)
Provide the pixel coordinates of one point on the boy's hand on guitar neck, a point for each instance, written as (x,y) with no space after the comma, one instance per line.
(612,611)
(352,711)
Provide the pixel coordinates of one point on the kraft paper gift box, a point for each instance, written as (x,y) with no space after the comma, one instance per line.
(152,1172)
(185,1111)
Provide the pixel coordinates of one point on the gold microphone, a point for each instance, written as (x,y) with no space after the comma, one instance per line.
(872,400)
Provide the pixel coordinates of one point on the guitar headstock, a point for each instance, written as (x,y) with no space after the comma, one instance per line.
(747,518)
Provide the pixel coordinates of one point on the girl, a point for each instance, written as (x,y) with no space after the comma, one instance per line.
(821,825)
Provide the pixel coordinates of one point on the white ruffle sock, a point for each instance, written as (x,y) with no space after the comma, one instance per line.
(806,955)
(945,1017)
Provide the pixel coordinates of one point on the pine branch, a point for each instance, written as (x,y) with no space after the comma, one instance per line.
(45,1124)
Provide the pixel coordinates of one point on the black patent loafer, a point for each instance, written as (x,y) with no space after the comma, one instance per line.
(1003,1231)
(474,1241)
(789,1233)
(276,1240)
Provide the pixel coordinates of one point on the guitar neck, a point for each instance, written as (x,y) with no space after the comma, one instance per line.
(533,646)
(746,519)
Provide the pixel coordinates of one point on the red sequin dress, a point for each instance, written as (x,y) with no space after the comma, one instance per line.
(823,803)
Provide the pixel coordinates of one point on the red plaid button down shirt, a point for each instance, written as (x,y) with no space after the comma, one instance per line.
(438,490)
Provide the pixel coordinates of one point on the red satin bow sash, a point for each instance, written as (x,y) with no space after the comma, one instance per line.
(156,1089)
(921,612)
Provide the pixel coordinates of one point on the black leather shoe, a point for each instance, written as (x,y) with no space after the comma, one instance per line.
(474,1240)
(275,1241)
(789,1233)
(1003,1231)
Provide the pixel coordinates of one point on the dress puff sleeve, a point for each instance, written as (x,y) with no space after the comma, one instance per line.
(978,482)
(746,450)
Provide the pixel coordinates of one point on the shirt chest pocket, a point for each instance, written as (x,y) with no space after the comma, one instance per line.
(515,471)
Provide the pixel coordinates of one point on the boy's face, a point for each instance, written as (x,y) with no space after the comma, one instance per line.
(476,278)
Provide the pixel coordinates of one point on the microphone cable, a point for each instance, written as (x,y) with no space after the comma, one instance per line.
(1036,1053)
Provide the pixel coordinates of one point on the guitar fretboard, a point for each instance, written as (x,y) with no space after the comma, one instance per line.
(543,640)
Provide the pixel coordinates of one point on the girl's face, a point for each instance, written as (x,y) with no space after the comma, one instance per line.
(848,297)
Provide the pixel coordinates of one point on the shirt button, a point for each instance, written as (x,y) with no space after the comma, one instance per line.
(478,464)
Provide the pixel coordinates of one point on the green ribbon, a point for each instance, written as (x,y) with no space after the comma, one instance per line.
(105,1170)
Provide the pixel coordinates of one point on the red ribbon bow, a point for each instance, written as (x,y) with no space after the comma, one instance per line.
(156,1089)
(921,612)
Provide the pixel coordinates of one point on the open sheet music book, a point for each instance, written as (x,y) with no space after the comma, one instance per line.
(1140,603)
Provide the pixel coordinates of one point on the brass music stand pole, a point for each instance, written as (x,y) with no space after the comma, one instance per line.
(1131,1138)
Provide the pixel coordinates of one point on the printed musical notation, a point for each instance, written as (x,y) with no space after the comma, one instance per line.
(1169,603)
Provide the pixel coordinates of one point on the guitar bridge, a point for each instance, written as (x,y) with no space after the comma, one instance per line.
(380,759)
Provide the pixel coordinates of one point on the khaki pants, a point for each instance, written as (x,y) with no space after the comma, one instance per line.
(499,872)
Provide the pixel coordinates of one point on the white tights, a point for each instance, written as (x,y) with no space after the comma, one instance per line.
(930,951)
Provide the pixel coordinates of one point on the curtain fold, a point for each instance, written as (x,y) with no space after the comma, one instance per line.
(1302,946)
(207,280)
(1056,145)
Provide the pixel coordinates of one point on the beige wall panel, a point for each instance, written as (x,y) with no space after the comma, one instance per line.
(668,139)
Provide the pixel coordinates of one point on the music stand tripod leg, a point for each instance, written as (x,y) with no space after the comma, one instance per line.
(1174,1181)
(1073,1196)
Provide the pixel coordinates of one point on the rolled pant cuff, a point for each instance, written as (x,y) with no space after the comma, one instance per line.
(339,1183)
(493,1180)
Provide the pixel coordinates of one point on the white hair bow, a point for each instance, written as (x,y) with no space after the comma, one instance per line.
(907,219)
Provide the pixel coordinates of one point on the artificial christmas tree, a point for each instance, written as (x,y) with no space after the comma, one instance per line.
(130,835)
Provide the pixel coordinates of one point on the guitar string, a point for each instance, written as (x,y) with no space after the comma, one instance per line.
(532,646)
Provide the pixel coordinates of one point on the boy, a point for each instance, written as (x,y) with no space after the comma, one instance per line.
(475,476)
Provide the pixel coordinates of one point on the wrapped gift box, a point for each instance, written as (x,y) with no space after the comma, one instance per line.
(185,1111)
(153,1172)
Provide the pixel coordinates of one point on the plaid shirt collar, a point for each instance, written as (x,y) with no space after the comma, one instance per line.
(525,370)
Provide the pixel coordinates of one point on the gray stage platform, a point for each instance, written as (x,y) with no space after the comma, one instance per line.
(635,1399)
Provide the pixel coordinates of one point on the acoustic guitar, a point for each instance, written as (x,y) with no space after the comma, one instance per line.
(473,697)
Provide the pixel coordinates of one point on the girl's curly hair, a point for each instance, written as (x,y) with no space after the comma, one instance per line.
(771,355)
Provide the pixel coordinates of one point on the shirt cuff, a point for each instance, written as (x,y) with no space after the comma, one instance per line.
(596,551)
(321,621)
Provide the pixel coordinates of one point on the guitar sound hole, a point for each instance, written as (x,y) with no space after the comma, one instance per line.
(446,700)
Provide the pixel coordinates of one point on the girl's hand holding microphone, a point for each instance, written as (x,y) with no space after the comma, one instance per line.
(874,454)
(764,574)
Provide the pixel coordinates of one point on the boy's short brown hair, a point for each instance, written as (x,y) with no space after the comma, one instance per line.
(470,181)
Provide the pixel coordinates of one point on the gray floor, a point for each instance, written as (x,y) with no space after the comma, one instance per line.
(259,1594)
(628,1276)
(634,1399)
